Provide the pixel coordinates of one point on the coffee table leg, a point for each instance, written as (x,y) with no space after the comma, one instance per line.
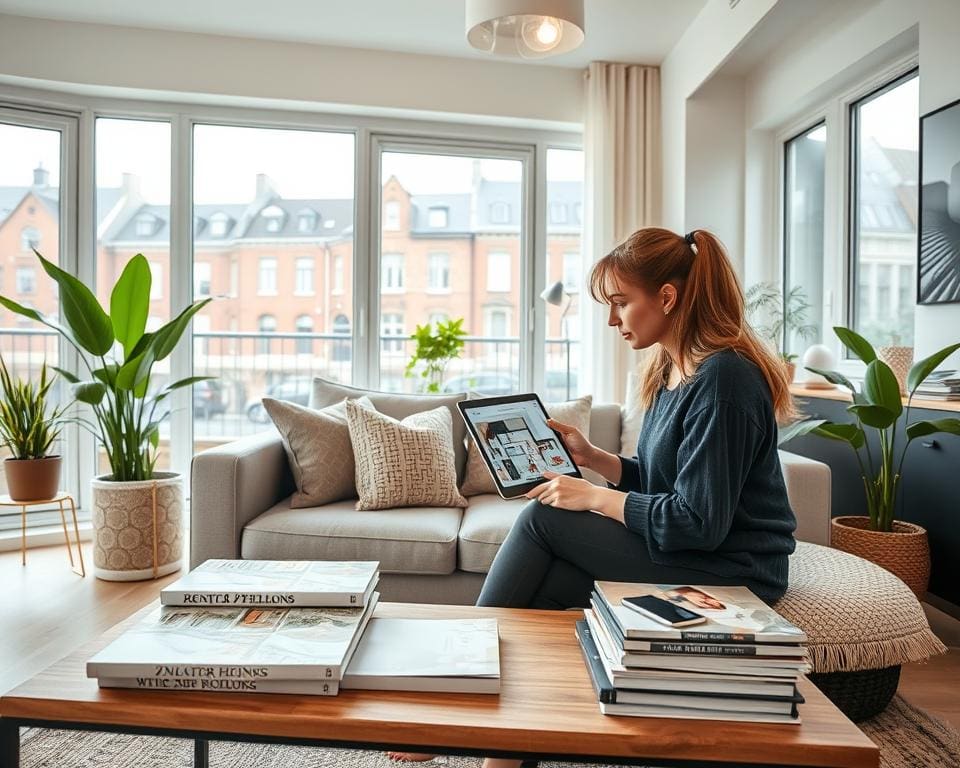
(9,744)
(201,753)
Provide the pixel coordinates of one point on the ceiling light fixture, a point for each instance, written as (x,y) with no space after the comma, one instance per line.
(529,29)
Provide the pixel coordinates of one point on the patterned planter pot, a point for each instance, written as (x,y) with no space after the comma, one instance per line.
(904,551)
(137,527)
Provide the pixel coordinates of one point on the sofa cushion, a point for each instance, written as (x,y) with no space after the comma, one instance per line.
(418,540)
(477,478)
(317,444)
(399,406)
(403,463)
(486,523)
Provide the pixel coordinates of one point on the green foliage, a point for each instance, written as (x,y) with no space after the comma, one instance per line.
(775,319)
(435,349)
(878,406)
(125,408)
(26,427)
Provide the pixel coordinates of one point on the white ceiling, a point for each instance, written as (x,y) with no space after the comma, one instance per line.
(630,31)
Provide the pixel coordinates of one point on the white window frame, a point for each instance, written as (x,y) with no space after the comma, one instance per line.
(339,269)
(435,213)
(28,243)
(262,288)
(202,270)
(499,278)
(26,271)
(837,265)
(393,266)
(391,215)
(304,287)
(438,265)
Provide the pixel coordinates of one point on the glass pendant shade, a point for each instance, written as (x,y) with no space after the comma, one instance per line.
(528,29)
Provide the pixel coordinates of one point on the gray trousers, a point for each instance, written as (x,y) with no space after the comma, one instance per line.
(552,556)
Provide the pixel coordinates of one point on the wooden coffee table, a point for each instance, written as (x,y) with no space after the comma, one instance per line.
(546,710)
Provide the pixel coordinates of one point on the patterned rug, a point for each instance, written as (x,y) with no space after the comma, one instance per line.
(908,738)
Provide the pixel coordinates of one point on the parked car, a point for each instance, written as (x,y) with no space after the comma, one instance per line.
(295,389)
(208,399)
(483,383)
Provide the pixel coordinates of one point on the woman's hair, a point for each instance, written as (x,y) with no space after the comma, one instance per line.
(709,315)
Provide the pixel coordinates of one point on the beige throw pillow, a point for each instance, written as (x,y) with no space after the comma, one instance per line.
(317,444)
(405,463)
(477,478)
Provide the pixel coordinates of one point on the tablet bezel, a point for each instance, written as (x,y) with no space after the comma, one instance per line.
(513,491)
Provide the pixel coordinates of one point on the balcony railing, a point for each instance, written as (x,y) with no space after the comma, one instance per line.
(250,365)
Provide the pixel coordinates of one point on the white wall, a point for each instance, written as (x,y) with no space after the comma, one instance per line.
(46,53)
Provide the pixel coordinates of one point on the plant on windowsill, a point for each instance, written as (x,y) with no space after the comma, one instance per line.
(774,318)
(898,546)
(137,511)
(27,429)
(435,349)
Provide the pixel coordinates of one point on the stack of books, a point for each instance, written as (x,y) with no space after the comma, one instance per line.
(940,385)
(247,625)
(742,663)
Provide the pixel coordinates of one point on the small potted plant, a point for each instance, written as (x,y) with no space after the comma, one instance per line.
(435,350)
(137,511)
(774,318)
(28,429)
(900,547)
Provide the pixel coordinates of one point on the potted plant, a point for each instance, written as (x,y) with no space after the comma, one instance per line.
(775,318)
(900,547)
(435,350)
(28,430)
(137,511)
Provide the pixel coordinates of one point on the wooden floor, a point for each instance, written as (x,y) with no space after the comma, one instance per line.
(48,611)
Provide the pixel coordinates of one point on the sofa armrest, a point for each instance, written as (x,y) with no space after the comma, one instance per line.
(230,485)
(808,488)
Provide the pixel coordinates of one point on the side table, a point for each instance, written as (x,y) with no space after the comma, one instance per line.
(60,499)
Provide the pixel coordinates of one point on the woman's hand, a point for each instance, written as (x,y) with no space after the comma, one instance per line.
(573,493)
(581,449)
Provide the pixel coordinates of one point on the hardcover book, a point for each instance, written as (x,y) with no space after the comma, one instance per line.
(443,655)
(733,614)
(274,584)
(236,644)
(224,685)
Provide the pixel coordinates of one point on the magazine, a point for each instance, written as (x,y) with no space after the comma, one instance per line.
(446,655)
(734,614)
(274,583)
(236,643)
(223,685)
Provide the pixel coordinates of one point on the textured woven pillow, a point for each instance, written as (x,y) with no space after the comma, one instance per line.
(405,463)
(477,477)
(317,444)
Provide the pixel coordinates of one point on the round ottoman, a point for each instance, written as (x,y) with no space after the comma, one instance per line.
(861,623)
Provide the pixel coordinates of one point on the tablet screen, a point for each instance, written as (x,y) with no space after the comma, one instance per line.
(517,442)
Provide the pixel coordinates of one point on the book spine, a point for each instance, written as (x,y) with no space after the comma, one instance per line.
(212,671)
(692,636)
(261,599)
(700,649)
(320,688)
(601,683)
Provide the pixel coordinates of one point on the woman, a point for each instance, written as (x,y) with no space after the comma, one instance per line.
(704,501)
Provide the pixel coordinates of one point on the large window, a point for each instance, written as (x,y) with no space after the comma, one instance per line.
(803,238)
(499,267)
(438,272)
(883,216)
(392,269)
(279,211)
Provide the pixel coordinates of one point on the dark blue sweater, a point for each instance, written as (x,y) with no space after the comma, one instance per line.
(706,490)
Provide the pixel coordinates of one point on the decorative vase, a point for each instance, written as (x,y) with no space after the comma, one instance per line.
(899,359)
(818,356)
(137,527)
(904,551)
(32,479)
(791,371)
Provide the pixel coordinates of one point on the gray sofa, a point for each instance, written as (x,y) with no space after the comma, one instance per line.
(240,494)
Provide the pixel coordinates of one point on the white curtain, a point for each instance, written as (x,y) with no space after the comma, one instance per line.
(622,194)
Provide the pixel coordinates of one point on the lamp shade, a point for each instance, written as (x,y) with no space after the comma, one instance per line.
(529,29)
(553,294)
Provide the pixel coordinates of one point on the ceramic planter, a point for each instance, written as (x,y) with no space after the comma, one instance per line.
(32,479)
(137,527)
(905,551)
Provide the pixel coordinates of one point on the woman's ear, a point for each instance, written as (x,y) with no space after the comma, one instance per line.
(668,297)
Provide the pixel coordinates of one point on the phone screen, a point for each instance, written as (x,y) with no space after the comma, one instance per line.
(666,610)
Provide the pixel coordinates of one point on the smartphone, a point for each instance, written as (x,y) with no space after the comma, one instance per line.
(663,611)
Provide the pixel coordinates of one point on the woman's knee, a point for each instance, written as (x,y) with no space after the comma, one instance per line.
(534,517)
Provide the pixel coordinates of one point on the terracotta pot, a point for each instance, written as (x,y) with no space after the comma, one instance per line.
(905,551)
(791,371)
(32,479)
(130,542)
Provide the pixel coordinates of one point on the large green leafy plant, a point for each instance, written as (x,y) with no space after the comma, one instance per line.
(878,406)
(435,350)
(27,427)
(126,409)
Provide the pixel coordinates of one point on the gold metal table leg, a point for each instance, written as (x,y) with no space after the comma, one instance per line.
(23,534)
(66,536)
(76,531)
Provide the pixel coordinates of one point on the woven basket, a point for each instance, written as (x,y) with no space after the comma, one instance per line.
(860,694)
(899,359)
(905,551)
